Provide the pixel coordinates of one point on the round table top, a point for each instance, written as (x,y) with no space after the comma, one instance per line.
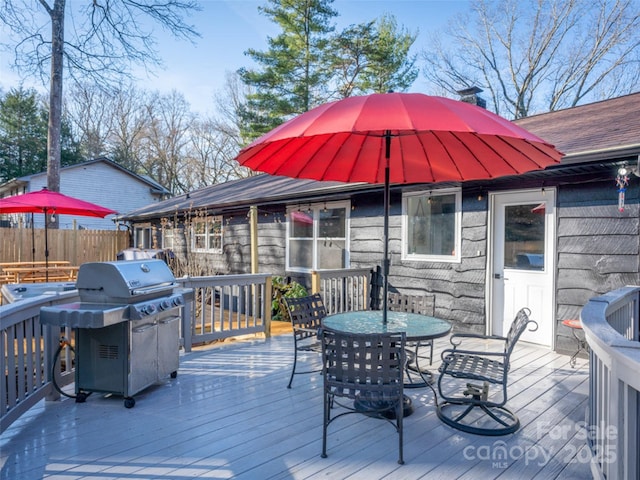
(417,327)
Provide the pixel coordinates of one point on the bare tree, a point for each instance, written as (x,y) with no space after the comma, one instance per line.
(211,156)
(103,39)
(167,138)
(130,124)
(89,110)
(540,55)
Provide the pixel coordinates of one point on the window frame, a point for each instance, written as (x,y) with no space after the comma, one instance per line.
(145,231)
(316,208)
(207,233)
(168,236)
(456,257)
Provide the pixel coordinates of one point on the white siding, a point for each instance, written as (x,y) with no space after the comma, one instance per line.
(100,183)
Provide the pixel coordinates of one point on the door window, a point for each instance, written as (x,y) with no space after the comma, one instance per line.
(524,237)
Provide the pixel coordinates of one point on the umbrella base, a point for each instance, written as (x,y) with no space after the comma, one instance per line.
(380,408)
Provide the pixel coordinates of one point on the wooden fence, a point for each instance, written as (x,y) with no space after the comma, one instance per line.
(76,246)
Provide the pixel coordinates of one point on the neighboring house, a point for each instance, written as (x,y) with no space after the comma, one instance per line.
(98,181)
(549,240)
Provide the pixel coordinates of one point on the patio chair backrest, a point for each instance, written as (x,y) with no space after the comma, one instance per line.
(306,314)
(363,365)
(518,326)
(421,304)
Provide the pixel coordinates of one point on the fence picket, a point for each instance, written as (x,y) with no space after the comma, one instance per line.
(76,246)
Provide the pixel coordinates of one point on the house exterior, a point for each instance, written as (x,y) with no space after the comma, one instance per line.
(98,181)
(549,240)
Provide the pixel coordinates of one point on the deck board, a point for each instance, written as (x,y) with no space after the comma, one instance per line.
(228,414)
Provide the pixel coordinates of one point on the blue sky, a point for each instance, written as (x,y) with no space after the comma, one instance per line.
(230,27)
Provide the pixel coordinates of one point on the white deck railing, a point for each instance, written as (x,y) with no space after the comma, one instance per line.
(611,327)
(343,290)
(216,307)
(26,355)
(224,306)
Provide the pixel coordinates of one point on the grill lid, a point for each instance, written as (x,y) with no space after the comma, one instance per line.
(124,281)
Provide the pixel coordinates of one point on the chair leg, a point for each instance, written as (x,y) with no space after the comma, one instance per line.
(497,420)
(482,417)
(428,344)
(431,353)
(400,422)
(325,423)
(293,369)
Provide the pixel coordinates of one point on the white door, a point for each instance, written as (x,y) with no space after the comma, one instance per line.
(522,261)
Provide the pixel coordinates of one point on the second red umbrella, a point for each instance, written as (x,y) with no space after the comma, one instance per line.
(47,202)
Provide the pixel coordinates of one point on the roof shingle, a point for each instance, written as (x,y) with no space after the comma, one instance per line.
(608,124)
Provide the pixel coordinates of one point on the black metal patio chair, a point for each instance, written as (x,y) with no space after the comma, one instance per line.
(368,370)
(306,314)
(423,305)
(474,411)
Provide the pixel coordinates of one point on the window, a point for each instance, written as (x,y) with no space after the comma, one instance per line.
(431,226)
(206,235)
(168,237)
(524,236)
(142,236)
(317,237)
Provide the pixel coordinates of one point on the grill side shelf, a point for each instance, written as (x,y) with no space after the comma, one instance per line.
(83,315)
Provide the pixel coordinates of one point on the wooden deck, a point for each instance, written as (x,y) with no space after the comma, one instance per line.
(228,414)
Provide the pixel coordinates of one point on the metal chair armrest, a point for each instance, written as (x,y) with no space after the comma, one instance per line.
(456,338)
(303,329)
(478,353)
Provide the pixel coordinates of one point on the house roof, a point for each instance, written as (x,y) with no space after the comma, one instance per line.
(259,189)
(593,131)
(155,186)
(604,130)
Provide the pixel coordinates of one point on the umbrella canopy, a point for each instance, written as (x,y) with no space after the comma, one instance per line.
(398,138)
(48,202)
(435,139)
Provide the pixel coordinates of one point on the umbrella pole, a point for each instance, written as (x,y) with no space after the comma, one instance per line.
(385,267)
(33,242)
(46,248)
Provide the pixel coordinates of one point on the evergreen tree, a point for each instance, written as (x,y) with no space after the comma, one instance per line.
(373,57)
(23,134)
(293,72)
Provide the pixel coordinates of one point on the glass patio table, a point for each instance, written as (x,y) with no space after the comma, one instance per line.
(416,327)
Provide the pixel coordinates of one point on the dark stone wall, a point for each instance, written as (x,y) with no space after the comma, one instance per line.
(459,288)
(597,247)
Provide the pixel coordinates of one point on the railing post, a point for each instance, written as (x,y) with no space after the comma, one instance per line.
(315,282)
(187,319)
(266,317)
(51,346)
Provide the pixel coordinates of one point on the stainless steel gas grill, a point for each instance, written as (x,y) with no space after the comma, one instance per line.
(126,326)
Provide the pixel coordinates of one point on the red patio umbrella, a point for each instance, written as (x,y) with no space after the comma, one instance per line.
(398,138)
(48,202)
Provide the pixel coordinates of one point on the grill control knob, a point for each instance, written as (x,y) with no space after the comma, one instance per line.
(164,304)
(177,301)
(148,309)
